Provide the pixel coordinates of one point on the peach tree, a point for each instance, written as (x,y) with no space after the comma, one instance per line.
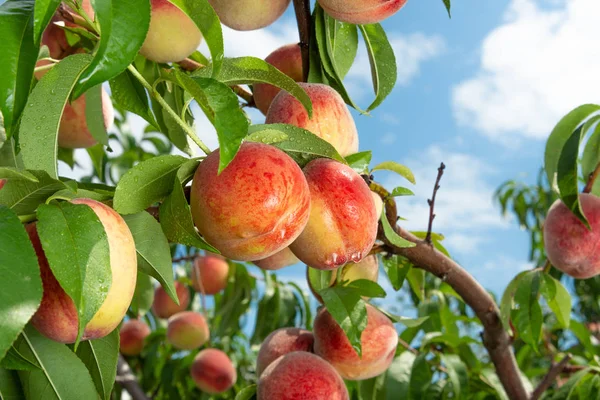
(155,274)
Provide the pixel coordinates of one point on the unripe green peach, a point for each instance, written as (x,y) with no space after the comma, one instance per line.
(210,274)
(343,221)
(331,119)
(281,259)
(132,336)
(256,207)
(570,246)
(287,59)
(361,11)
(164,307)
(301,376)
(378,343)
(172,35)
(187,330)
(213,371)
(57,316)
(248,15)
(280,342)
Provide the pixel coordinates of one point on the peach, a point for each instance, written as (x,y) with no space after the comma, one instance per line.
(248,15)
(2,182)
(57,316)
(210,274)
(343,222)
(172,35)
(164,307)
(378,342)
(213,372)
(282,341)
(287,59)
(187,330)
(570,246)
(281,259)
(331,118)
(256,207)
(301,376)
(361,11)
(132,336)
(378,204)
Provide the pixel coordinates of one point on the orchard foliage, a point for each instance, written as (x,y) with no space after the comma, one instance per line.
(141,242)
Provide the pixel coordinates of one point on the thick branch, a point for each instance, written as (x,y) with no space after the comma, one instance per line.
(126,379)
(302,9)
(550,377)
(431,202)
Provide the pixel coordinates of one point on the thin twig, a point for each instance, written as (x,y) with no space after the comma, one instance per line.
(431,202)
(591,179)
(550,377)
(184,258)
(126,378)
(302,9)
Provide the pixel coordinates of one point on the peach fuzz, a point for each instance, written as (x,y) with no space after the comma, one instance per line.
(301,376)
(378,341)
(361,11)
(280,342)
(209,274)
(570,246)
(172,35)
(57,316)
(248,15)
(187,330)
(343,223)
(213,372)
(256,207)
(132,336)
(281,259)
(164,307)
(287,59)
(331,118)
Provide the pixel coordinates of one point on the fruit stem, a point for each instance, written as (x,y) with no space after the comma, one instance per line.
(154,93)
(302,9)
(592,178)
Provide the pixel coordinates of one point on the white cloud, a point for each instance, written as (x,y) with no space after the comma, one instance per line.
(535,67)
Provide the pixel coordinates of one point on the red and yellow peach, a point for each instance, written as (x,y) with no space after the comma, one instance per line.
(187,330)
(209,274)
(164,307)
(280,342)
(361,11)
(213,372)
(132,336)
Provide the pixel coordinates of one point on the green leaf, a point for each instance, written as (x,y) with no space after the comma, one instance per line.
(146,183)
(153,252)
(319,278)
(300,144)
(62,375)
(447,5)
(94,115)
(20,288)
(349,310)
(492,380)
(373,388)
(400,169)
(565,391)
(591,152)
(507,301)
(15,360)
(558,298)
(420,376)
(396,267)
(39,126)
(10,386)
(129,94)
(416,280)
(559,136)
(383,62)
(344,45)
(391,234)
(17,59)
(582,333)
(123,33)
(252,70)
(143,295)
(220,105)
(406,321)
(43,12)
(100,357)
(360,161)
(76,246)
(23,196)
(401,191)
(8,155)
(366,288)
(17,174)
(205,18)
(528,316)
(398,376)
(247,393)
(458,374)
(176,134)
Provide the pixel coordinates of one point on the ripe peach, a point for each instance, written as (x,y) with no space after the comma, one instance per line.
(256,207)
(361,11)
(2,182)
(55,38)
(132,336)
(57,317)
(278,260)
(187,330)
(213,372)
(248,15)
(172,35)
(378,342)
(331,119)
(210,274)
(287,59)
(343,221)
(301,376)
(282,341)
(378,204)
(570,246)
(164,307)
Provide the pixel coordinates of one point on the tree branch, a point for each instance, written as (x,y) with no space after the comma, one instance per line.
(550,377)
(302,9)
(126,379)
(591,179)
(431,202)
